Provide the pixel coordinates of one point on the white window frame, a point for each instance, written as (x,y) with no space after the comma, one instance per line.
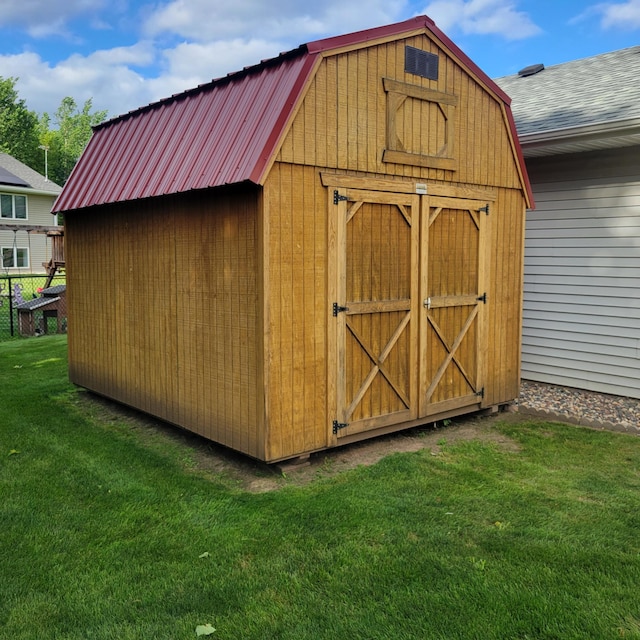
(14,254)
(13,197)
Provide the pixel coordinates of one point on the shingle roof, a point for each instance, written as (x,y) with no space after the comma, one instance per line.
(591,91)
(36,303)
(223,132)
(31,177)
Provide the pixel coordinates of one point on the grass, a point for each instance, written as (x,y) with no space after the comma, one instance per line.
(110,534)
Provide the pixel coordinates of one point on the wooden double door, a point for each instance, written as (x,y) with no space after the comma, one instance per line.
(410,299)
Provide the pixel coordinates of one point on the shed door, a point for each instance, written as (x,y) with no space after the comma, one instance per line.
(454,300)
(376,237)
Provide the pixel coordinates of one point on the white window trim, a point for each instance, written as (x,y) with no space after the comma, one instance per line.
(13,206)
(14,251)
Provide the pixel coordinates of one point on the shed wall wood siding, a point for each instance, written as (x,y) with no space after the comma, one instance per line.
(39,213)
(163,310)
(342,122)
(506,224)
(582,272)
(296,318)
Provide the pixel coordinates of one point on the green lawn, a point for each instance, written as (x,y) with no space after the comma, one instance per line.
(106,532)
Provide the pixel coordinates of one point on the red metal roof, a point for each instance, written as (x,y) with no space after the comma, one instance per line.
(218,134)
(223,132)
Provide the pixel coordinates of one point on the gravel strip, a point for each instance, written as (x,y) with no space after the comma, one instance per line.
(577,406)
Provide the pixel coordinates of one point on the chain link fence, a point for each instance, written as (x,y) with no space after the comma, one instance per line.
(15,291)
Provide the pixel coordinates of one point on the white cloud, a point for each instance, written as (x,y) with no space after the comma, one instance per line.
(499,17)
(613,15)
(106,76)
(229,19)
(41,18)
(215,59)
(110,78)
(191,64)
(184,43)
(226,36)
(625,15)
(141,54)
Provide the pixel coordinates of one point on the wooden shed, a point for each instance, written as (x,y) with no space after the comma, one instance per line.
(321,248)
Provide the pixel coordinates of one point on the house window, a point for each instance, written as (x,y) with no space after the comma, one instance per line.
(15,257)
(13,207)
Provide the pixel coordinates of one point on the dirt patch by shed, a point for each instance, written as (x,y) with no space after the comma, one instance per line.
(213,460)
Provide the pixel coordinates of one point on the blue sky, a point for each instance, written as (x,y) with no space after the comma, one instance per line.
(126,53)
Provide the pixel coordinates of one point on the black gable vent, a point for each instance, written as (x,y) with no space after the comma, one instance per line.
(530,70)
(421,63)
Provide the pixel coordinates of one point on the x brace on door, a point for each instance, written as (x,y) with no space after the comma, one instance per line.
(451,353)
(378,365)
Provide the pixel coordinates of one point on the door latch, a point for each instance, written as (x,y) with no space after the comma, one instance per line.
(427,303)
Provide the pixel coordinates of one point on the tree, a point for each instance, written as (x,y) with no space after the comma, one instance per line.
(25,137)
(18,125)
(66,143)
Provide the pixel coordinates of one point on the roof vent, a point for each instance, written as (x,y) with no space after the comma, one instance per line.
(421,63)
(530,70)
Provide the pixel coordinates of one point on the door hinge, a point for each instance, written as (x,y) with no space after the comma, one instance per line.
(337,197)
(482,298)
(484,209)
(480,393)
(339,425)
(338,309)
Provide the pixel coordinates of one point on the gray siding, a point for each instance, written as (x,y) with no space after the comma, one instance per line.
(581,323)
(38,212)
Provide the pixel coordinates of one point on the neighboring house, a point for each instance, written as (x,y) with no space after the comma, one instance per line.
(26,199)
(579,127)
(320,248)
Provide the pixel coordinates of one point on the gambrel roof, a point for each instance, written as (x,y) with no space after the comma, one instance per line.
(592,103)
(226,131)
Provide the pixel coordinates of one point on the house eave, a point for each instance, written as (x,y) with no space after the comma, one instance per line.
(28,191)
(605,135)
